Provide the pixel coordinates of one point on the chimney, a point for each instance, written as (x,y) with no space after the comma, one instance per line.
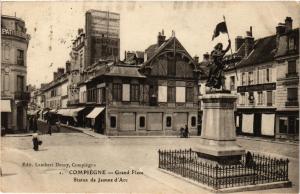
(196,58)
(161,38)
(125,55)
(280,29)
(68,67)
(288,24)
(60,71)
(249,42)
(205,57)
(54,76)
(80,30)
(239,40)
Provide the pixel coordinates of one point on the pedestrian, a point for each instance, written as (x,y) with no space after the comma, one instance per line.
(36,142)
(34,122)
(186,131)
(181,132)
(51,122)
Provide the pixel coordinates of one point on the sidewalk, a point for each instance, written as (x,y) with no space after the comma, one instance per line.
(87,131)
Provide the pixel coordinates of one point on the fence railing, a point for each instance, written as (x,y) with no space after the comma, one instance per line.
(250,170)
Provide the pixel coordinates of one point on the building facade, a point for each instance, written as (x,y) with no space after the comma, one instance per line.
(158,96)
(14,97)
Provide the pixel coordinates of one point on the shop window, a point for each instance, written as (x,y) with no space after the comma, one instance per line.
(168,121)
(113,121)
(142,122)
(193,121)
(283,123)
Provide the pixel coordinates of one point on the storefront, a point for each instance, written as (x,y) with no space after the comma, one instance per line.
(287,124)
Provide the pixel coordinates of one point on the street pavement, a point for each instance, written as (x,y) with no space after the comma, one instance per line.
(111,154)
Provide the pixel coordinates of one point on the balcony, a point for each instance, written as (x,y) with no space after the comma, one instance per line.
(292,103)
(24,96)
(291,75)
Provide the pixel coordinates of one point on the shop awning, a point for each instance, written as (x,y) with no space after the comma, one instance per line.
(70,112)
(53,111)
(5,106)
(95,112)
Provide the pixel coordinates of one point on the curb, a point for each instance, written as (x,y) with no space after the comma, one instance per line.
(266,186)
(267,140)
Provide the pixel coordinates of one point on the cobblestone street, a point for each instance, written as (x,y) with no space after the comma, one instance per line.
(110,154)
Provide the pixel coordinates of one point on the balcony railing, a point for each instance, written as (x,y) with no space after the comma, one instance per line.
(25,96)
(291,74)
(291,103)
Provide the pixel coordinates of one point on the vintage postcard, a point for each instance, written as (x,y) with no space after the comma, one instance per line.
(149,97)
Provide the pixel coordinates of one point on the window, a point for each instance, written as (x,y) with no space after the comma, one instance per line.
(260,98)
(250,78)
(243,79)
(292,94)
(103,95)
(190,94)
(283,124)
(168,121)
(125,92)
(291,125)
(292,44)
(292,67)
(171,94)
(142,122)
(268,75)
(232,82)
(171,66)
(193,121)
(20,83)
(269,98)
(162,93)
(135,92)
(113,121)
(180,94)
(251,98)
(117,92)
(20,57)
(242,100)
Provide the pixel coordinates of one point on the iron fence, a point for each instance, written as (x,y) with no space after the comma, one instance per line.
(259,169)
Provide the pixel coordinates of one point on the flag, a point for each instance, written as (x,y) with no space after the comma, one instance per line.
(221,27)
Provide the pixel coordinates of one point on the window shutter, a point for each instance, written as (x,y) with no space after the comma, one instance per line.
(273,98)
(263,97)
(264,80)
(270,75)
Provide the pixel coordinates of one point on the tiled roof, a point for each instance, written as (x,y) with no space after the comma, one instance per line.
(124,71)
(151,50)
(263,51)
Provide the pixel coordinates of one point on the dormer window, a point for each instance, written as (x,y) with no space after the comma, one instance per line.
(291,44)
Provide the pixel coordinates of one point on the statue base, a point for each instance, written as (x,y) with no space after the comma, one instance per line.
(218,137)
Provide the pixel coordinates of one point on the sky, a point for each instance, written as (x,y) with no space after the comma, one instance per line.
(53,26)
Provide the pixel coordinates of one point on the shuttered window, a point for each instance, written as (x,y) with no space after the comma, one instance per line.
(189,94)
(117,92)
(135,92)
(171,94)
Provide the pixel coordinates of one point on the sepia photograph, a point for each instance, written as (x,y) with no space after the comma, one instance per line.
(159,97)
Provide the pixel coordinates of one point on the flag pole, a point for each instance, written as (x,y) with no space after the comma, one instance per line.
(230,47)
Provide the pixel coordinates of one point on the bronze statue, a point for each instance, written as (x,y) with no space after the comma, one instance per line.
(216,77)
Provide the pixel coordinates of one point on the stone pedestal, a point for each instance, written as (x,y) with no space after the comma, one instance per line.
(218,136)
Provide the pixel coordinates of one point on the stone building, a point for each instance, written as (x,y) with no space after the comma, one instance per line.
(14,97)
